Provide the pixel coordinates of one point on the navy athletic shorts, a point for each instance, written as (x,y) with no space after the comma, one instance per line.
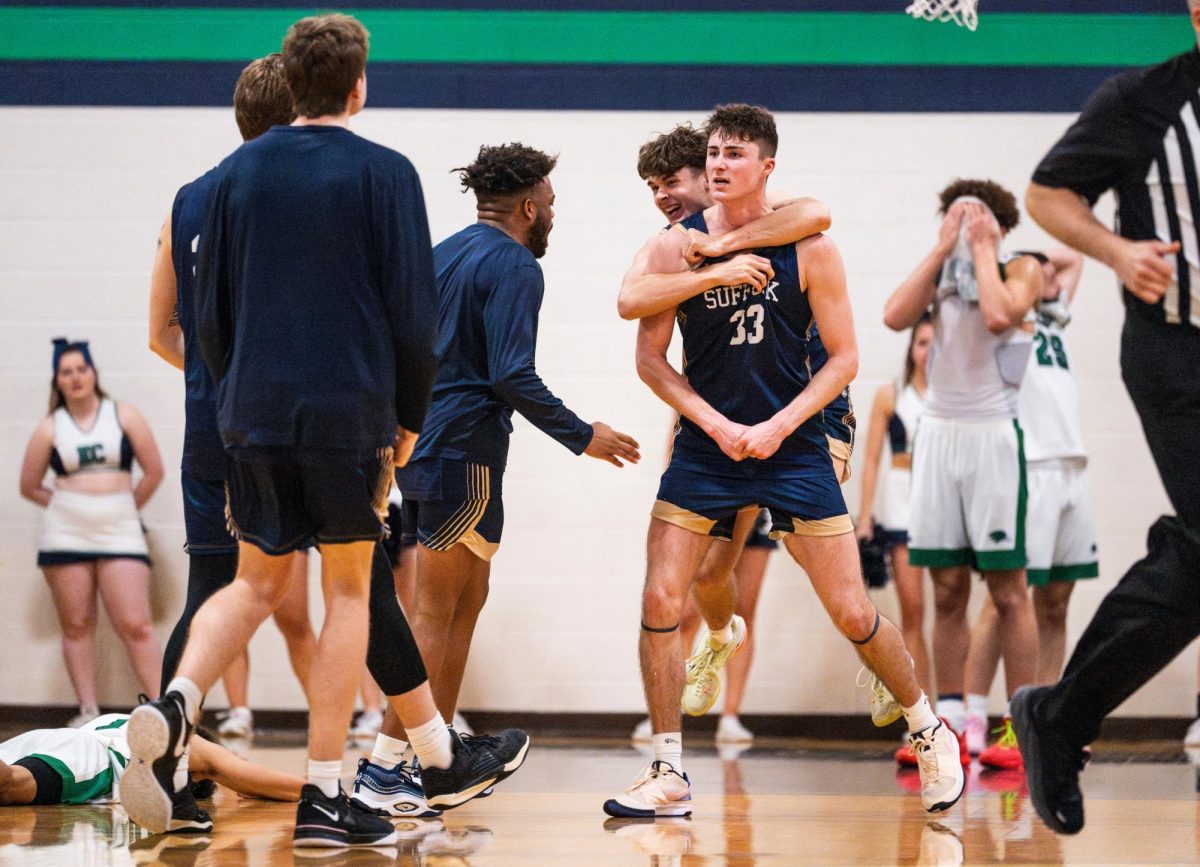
(806,501)
(204,517)
(450,501)
(281,497)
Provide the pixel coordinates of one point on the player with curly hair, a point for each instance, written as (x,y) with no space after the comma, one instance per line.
(968,467)
(490,288)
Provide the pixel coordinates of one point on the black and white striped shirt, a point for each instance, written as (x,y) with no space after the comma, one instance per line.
(1139,136)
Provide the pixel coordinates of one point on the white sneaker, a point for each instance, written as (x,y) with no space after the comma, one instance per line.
(85,716)
(703,679)
(939,762)
(237,722)
(975,729)
(367,725)
(658,791)
(642,733)
(460,725)
(885,710)
(1192,738)
(731,731)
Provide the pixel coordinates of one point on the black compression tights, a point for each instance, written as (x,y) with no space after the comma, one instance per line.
(207,573)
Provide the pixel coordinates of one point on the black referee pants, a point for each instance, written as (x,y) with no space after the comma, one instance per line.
(1154,611)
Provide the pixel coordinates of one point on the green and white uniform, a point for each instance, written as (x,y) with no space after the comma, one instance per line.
(1060,539)
(90,759)
(968,476)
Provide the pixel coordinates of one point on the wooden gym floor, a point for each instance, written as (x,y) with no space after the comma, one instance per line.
(781,803)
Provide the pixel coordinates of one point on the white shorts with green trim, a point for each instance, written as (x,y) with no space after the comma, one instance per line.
(968,494)
(89,760)
(1060,540)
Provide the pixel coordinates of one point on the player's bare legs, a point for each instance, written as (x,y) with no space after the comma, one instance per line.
(1050,603)
(447,582)
(1018,626)
(832,566)
(910,590)
(295,625)
(715,588)
(951,632)
(748,573)
(673,555)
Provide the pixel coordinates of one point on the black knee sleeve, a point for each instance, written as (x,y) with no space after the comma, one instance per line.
(392,654)
(207,573)
(657,629)
(874,629)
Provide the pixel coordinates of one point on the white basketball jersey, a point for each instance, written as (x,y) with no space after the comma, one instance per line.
(1050,398)
(972,373)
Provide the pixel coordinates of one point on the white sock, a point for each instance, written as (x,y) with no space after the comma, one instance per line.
(325,776)
(388,752)
(431,742)
(181,772)
(668,747)
(192,697)
(977,704)
(724,635)
(920,715)
(953,711)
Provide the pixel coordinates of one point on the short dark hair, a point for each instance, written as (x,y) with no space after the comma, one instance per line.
(666,154)
(262,98)
(323,57)
(746,122)
(505,170)
(1000,201)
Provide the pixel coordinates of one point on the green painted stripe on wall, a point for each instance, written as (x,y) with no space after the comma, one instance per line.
(749,38)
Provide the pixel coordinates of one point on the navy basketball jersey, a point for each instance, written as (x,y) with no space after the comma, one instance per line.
(745,351)
(203,451)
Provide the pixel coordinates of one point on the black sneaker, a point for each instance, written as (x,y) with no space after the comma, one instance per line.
(158,734)
(186,816)
(1052,766)
(336,823)
(479,763)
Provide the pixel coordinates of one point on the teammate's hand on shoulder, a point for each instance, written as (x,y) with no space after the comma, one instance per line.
(406,441)
(612,446)
(1144,268)
(744,268)
(701,246)
(762,440)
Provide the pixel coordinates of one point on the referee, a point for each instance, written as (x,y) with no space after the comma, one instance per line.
(1138,135)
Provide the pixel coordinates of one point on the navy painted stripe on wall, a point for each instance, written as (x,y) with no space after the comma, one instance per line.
(583,86)
(1115,7)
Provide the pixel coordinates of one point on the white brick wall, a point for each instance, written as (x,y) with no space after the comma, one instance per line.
(83,192)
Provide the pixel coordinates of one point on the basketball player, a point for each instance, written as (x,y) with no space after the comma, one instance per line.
(309,416)
(968,477)
(490,288)
(1060,541)
(673,166)
(750,435)
(85,766)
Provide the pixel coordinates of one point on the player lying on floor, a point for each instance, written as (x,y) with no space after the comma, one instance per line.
(85,765)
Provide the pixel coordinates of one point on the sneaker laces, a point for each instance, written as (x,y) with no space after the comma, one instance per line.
(701,662)
(926,754)
(480,741)
(879,692)
(657,768)
(1008,736)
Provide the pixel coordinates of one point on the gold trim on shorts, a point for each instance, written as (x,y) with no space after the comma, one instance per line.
(835,526)
(902,462)
(460,527)
(840,450)
(680,517)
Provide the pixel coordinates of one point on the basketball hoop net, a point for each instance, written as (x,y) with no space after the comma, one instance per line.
(961,12)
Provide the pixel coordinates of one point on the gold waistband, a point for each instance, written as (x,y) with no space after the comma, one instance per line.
(902,462)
